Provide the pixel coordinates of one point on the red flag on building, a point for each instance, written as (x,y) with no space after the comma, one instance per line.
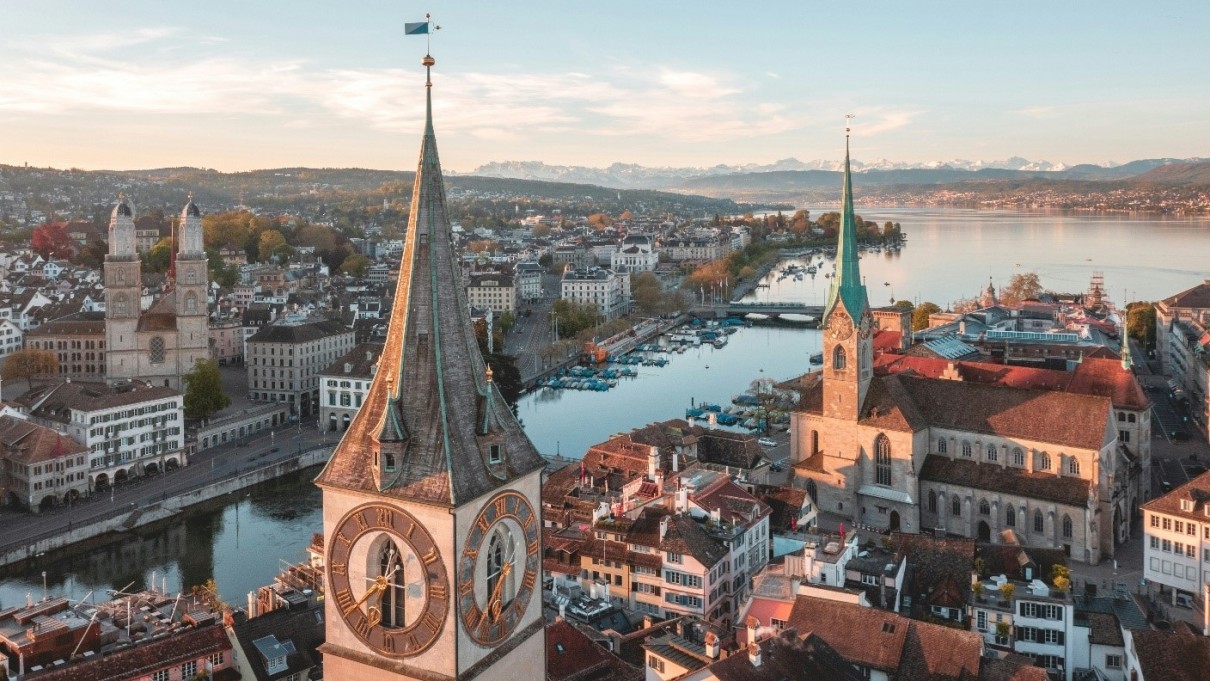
(842,533)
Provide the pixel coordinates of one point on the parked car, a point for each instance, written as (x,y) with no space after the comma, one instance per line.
(1184,601)
(767,442)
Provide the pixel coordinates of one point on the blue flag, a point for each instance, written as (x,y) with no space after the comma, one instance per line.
(418,28)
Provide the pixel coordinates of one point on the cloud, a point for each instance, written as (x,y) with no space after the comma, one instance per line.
(1039,112)
(873,121)
(100,73)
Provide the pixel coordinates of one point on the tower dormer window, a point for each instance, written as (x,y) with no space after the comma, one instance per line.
(495,454)
(388,463)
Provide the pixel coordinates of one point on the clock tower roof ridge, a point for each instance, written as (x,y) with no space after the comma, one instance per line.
(432,404)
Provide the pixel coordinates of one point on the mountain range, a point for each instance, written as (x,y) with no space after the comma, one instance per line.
(805,173)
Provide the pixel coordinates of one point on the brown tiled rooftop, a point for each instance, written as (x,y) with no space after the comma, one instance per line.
(1006,480)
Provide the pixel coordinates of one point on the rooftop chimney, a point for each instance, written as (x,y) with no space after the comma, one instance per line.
(753,625)
(663,527)
(653,462)
(711,645)
(754,654)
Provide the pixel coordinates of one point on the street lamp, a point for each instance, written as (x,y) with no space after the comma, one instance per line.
(44,586)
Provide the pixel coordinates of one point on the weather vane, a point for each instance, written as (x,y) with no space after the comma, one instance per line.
(424,28)
(847,118)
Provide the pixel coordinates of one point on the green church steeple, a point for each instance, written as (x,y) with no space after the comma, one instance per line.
(847,286)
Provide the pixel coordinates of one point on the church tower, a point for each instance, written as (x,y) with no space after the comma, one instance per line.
(123,293)
(431,501)
(192,320)
(848,348)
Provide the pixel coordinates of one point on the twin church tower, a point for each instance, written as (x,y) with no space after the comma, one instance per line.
(161,344)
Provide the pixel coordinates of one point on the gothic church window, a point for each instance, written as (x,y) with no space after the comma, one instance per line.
(984,507)
(156,350)
(966,450)
(991,453)
(882,460)
(191,303)
(1043,461)
(838,358)
(1018,457)
(932,501)
(941,445)
(1067,526)
(957,506)
(499,556)
(1011,518)
(1073,466)
(1038,523)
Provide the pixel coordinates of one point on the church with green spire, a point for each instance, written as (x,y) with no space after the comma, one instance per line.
(890,448)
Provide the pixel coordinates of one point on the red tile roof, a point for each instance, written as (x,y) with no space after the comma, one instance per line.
(144,659)
(572,655)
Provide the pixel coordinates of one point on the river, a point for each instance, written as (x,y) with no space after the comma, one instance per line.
(950,254)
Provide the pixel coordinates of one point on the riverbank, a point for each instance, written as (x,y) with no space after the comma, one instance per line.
(133,516)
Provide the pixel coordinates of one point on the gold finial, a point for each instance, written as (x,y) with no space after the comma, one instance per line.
(190,198)
(489,373)
(847,118)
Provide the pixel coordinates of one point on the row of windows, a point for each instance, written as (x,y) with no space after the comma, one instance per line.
(684,579)
(1179,548)
(1178,526)
(992,455)
(1041,611)
(1010,515)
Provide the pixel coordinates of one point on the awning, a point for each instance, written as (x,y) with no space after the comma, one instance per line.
(887,493)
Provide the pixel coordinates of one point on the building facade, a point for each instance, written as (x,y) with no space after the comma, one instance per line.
(78,342)
(40,467)
(605,289)
(495,292)
(130,429)
(344,385)
(284,361)
(1176,553)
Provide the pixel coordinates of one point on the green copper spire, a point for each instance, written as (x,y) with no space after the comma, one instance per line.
(847,286)
(1127,360)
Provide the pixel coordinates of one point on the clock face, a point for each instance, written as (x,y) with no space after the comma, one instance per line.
(499,567)
(840,326)
(867,326)
(388,579)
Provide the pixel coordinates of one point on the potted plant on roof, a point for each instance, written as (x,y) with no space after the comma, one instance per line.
(978,589)
(1007,590)
(1060,577)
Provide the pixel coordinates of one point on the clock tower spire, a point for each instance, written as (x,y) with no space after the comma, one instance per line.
(847,321)
(431,500)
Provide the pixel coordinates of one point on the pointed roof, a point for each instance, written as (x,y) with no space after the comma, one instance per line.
(847,286)
(432,393)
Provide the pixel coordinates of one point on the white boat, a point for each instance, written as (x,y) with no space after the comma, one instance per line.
(756,316)
(798,318)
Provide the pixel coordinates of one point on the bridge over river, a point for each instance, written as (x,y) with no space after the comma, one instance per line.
(770,309)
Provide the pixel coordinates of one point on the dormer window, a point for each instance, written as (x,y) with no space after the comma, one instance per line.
(1187,505)
(388,463)
(495,454)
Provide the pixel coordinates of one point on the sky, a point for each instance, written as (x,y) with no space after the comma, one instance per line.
(236,85)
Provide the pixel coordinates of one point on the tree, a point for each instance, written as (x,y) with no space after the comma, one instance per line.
(507,321)
(546,259)
(541,231)
(355,265)
(50,240)
(271,243)
(204,390)
(1021,287)
(905,305)
(920,315)
(1140,323)
(158,257)
(575,317)
(29,363)
(1060,576)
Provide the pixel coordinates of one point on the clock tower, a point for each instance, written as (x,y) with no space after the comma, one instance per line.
(848,346)
(432,498)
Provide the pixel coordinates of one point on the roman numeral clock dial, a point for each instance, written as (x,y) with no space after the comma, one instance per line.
(388,580)
(499,568)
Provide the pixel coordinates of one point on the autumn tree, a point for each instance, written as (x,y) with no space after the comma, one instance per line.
(905,305)
(50,240)
(355,265)
(272,242)
(29,363)
(575,317)
(599,221)
(158,257)
(1140,323)
(1021,287)
(204,390)
(920,315)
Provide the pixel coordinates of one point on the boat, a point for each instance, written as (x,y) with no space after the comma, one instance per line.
(719,342)
(797,318)
(817,358)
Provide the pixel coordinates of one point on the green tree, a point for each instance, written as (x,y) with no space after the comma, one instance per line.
(355,265)
(506,321)
(546,259)
(920,315)
(904,305)
(1140,323)
(1021,287)
(158,257)
(575,317)
(204,390)
(29,364)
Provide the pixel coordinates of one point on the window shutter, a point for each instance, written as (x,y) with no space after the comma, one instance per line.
(1021,633)
(1060,638)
